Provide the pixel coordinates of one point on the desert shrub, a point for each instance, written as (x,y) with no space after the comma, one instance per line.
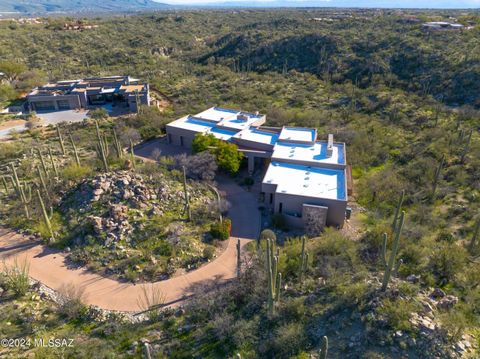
(209,252)
(41,227)
(455,323)
(289,340)
(73,172)
(164,249)
(71,301)
(151,300)
(446,261)
(15,277)
(221,230)
(397,313)
(268,234)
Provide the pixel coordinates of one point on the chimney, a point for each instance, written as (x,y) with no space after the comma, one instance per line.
(330,145)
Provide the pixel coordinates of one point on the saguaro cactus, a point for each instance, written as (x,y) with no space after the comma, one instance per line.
(117,145)
(476,232)
(187,199)
(239,260)
(274,278)
(46,218)
(54,165)
(42,181)
(42,161)
(132,154)
(60,140)
(75,152)
(102,148)
(322,354)
(466,148)
(436,179)
(390,265)
(24,191)
(398,210)
(303,261)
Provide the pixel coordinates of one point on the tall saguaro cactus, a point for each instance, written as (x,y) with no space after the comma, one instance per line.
(322,354)
(390,264)
(187,199)
(60,140)
(24,191)
(42,161)
(132,154)
(303,261)
(75,152)
(54,165)
(466,148)
(102,148)
(436,179)
(117,145)
(46,218)
(476,232)
(274,278)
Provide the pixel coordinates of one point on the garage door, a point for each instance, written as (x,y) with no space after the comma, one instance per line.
(44,106)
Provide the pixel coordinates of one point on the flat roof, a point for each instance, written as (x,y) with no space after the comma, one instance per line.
(192,124)
(306,181)
(312,153)
(297,134)
(222,134)
(259,136)
(218,114)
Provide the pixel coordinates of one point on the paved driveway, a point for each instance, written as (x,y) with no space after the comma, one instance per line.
(53,118)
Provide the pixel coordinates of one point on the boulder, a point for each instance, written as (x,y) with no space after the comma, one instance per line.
(448,302)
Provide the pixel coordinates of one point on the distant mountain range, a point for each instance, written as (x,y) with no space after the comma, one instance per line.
(48,6)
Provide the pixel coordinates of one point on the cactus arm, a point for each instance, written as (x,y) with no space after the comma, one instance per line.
(279,285)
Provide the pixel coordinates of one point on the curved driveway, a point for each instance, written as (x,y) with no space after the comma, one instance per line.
(50,267)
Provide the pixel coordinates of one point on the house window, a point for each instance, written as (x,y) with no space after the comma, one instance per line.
(181,141)
(271,198)
(169,138)
(280,207)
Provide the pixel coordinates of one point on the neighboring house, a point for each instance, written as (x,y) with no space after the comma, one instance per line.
(306,179)
(122,91)
(443,25)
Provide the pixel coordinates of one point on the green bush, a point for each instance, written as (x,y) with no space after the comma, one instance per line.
(222,230)
(209,252)
(15,278)
(73,172)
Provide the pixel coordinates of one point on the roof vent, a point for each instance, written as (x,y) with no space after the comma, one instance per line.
(330,145)
(242,117)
